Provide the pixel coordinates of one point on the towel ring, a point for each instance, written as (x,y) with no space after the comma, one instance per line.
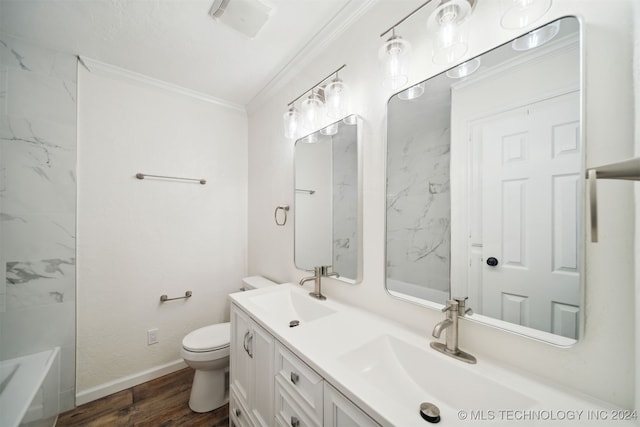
(284,209)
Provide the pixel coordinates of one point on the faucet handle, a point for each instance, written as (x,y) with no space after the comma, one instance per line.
(462,302)
(452,305)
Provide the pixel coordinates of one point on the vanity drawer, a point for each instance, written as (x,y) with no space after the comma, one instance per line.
(300,378)
(290,410)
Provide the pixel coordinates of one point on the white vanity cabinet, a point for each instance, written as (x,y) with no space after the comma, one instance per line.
(251,376)
(341,412)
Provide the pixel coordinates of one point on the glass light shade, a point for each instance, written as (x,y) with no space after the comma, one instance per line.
(412,93)
(291,122)
(336,95)
(330,130)
(450,39)
(536,38)
(465,69)
(394,54)
(520,13)
(312,111)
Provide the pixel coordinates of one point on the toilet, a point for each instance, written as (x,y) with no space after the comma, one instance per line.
(207,351)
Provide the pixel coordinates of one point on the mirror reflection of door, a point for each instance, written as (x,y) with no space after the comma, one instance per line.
(529,163)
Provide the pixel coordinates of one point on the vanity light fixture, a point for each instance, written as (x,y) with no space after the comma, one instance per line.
(312,109)
(446,23)
(465,69)
(521,13)
(537,37)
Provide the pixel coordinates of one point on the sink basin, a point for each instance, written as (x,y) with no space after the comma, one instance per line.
(287,305)
(414,374)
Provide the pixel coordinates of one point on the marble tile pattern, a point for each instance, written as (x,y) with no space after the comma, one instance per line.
(38,90)
(345,201)
(418,200)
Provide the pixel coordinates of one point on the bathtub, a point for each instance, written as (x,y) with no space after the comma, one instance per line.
(29,390)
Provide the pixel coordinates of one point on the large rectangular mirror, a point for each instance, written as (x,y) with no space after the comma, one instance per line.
(485,188)
(327,200)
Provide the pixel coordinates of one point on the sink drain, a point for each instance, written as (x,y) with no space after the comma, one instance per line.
(430,412)
(294,323)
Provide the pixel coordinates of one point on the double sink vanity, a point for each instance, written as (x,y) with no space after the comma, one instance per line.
(341,366)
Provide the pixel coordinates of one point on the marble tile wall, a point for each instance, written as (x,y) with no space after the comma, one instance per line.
(418,200)
(38,89)
(345,201)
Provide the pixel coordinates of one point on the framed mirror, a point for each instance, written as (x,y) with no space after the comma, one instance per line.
(327,200)
(485,187)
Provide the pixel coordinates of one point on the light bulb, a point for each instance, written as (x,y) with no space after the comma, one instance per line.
(447,22)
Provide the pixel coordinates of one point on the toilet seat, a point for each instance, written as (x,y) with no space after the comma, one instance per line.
(209,338)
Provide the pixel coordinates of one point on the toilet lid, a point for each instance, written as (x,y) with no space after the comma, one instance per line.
(209,338)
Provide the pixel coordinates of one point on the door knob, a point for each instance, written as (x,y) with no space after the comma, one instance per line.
(492,262)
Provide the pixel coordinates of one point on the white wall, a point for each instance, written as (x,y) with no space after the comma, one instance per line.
(602,363)
(139,239)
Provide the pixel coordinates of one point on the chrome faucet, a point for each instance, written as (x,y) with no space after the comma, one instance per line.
(455,308)
(318,272)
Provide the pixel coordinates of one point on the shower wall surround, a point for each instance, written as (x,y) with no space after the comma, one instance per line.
(419,208)
(37,204)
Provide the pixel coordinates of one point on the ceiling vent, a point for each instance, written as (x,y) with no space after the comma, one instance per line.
(245,16)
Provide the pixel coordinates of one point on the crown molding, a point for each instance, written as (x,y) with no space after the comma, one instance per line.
(101,68)
(334,28)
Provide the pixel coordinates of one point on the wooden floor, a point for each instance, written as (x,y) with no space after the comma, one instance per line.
(161,402)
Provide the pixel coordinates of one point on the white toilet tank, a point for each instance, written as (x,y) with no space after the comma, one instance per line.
(256,282)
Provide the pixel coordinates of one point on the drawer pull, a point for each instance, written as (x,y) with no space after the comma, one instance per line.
(295,422)
(295,378)
(238,412)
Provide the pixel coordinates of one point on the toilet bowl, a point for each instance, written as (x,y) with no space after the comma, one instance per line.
(207,351)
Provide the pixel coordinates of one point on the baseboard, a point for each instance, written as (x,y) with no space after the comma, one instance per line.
(94,393)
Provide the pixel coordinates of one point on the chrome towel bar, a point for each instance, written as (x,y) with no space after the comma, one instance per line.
(143,175)
(164,298)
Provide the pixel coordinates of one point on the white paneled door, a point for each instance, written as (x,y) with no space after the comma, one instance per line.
(530,223)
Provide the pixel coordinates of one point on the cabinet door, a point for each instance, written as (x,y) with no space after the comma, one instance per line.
(341,412)
(241,362)
(261,345)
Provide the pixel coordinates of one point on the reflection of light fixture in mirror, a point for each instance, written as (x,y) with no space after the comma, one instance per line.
(332,129)
(394,54)
(465,69)
(447,24)
(350,120)
(336,98)
(312,111)
(537,37)
(412,93)
(311,138)
(291,120)
(521,13)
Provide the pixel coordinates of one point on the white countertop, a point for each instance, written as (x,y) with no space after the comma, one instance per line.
(388,370)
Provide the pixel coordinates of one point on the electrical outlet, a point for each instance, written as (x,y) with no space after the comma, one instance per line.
(152,336)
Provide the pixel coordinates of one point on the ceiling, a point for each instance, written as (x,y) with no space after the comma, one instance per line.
(177,41)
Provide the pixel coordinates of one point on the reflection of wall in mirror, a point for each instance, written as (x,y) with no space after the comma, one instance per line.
(313,228)
(345,202)
(418,200)
(524,86)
